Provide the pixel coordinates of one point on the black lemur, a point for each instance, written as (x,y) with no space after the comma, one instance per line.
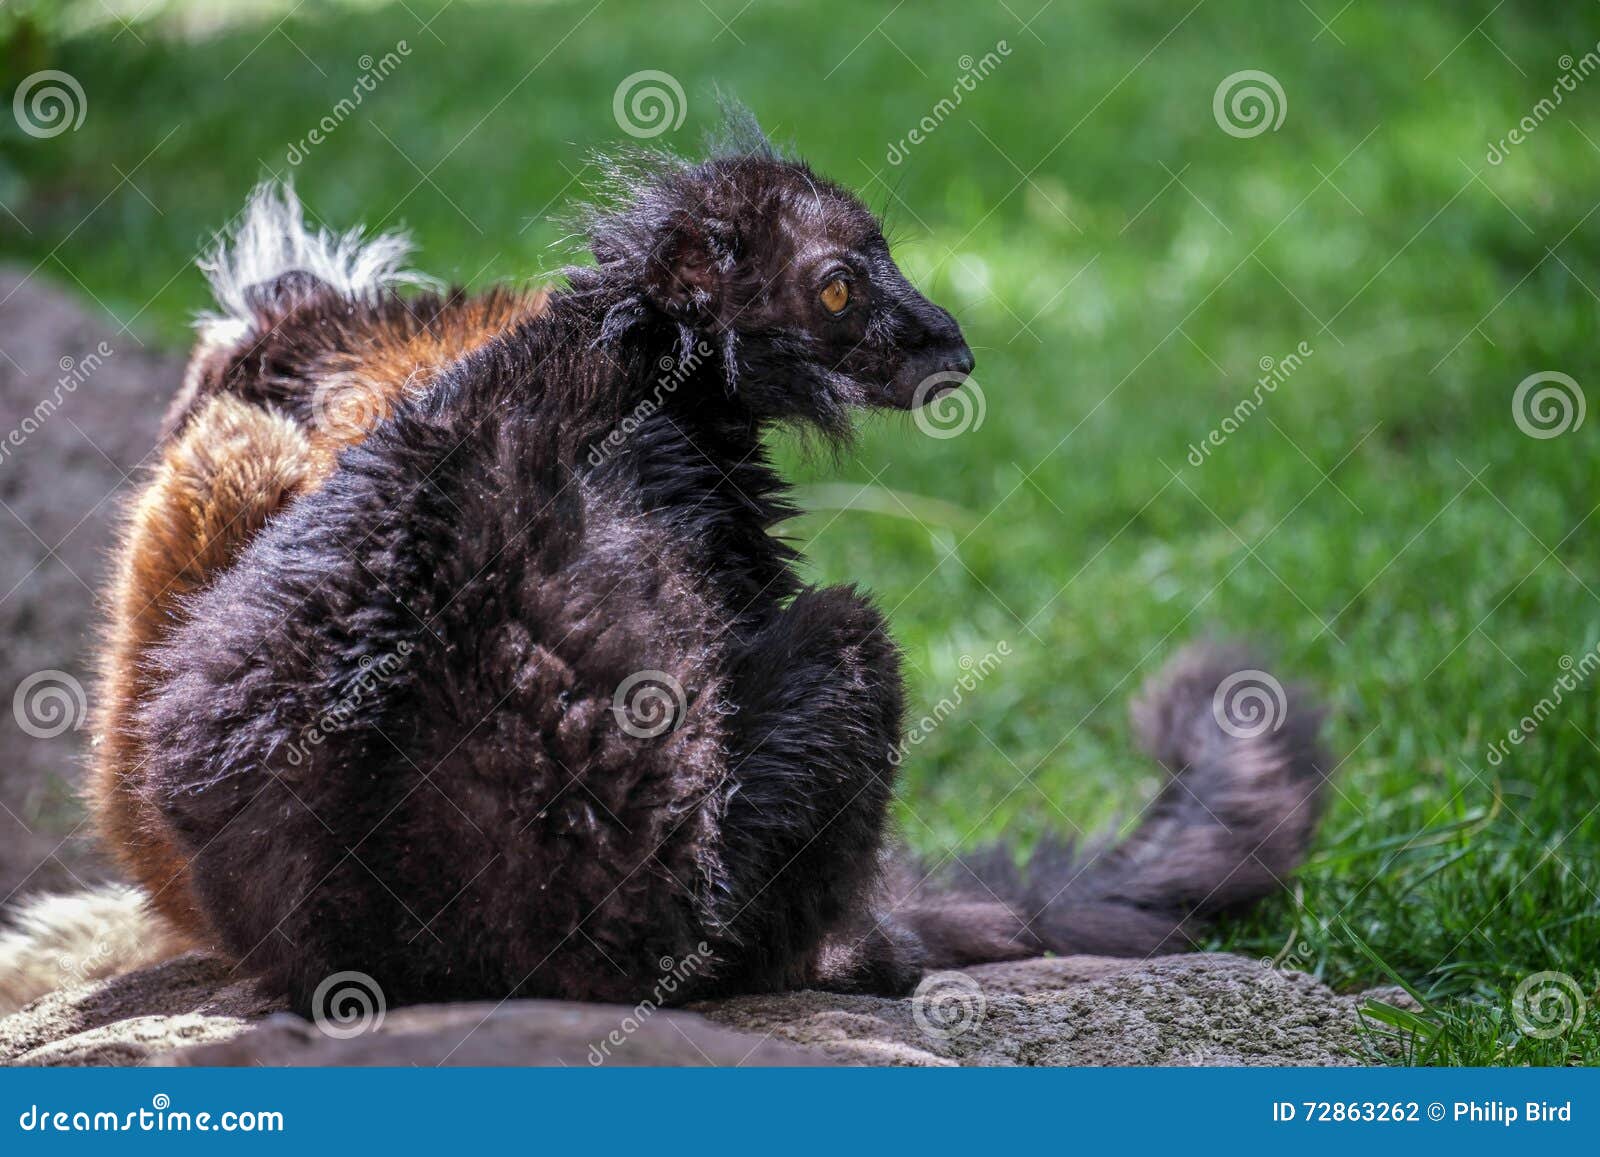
(518,692)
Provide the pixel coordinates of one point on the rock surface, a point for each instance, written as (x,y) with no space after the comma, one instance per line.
(1206,1009)
(80,404)
(134,1019)
(1203,1009)
(517,1032)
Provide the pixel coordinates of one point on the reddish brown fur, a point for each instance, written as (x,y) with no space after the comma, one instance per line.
(308,338)
(215,487)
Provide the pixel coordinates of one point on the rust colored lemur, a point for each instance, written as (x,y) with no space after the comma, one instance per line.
(371,694)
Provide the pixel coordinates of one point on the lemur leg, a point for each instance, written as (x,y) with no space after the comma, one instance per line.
(215,486)
(820,704)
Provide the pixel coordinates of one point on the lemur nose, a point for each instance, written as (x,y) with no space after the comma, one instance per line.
(945,336)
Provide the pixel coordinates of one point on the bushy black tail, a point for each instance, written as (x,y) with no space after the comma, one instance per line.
(1234,819)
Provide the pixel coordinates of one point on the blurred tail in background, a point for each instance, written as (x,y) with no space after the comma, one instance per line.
(1234,819)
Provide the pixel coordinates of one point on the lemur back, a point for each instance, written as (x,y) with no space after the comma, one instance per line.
(314,348)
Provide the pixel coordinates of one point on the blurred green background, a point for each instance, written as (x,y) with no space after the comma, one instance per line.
(1123,266)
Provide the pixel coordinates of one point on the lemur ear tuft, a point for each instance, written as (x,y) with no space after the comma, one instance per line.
(683,274)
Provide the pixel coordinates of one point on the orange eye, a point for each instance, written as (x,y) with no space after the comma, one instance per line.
(836,295)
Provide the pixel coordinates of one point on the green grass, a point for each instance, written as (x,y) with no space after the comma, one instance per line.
(1121,266)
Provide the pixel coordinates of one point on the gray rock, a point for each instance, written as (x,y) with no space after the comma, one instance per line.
(1201,1009)
(516,1032)
(1175,1010)
(133,1019)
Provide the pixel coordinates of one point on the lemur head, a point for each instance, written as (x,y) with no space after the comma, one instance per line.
(784,272)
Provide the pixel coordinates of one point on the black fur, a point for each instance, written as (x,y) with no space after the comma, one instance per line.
(476,822)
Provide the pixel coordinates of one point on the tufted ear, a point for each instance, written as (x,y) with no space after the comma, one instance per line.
(683,274)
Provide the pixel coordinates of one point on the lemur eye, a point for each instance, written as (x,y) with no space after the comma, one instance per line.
(836,295)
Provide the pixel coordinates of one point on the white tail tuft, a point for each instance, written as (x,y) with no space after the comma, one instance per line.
(272,239)
(59,941)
